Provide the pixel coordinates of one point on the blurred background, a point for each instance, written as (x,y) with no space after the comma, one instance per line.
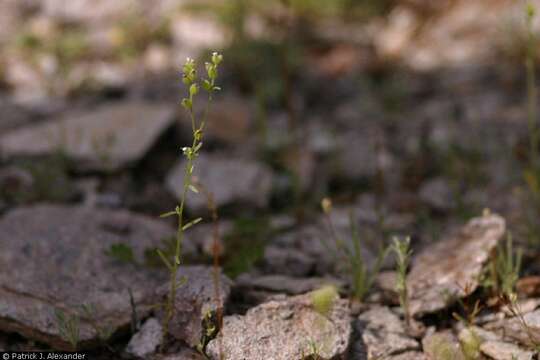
(412,113)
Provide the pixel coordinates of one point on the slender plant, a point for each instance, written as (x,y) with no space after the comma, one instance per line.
(68,327)
(532,172)
(531,87)
(505,267)
(511,302)
(403,255)
(193,83)
(362,275)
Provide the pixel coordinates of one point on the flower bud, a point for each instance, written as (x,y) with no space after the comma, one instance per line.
(326,205)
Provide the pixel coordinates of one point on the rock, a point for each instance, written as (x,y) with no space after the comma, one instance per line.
(514,328)
(387,281)
(230,180)
(91,197)
(301,163)
(529,285)
(396,35)
(184,354)
(464,32)
(409,355)
(202,236)
(229,120)
(384,334)
(52,258)
(471,337)
(194,34)
(287,261)
(451,267)
(371,152)
(284,330)
(382,344)
(524,305)
(499,350)
(282,222)
(46,180)
(284,284)
(15,182)
(441,346)
(147,340)
(195,299)
(29,85)
(107,138)
(13,115)
(437,194)
(157,58)
(104,75)
(84,11)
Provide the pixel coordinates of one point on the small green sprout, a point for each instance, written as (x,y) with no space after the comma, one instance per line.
(362,276)
(314,351)
(68,327)
(323,299)
(103,331)
(403,254)
(505,268)
(470,344)
(210,330)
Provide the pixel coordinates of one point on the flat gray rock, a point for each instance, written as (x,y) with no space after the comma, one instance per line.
(230,180)
(383,333)
(500,350)
(438,194)
(229,120)
(284,284)
(107,138)
(287,261)
(183,354)
(451,267)
(196,297)
(512,328)
(147,340)
(409,355)
(52,258)
(285,330)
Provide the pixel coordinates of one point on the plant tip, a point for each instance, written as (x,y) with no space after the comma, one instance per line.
(326,205)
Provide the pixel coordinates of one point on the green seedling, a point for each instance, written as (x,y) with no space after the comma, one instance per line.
(68,326)
(362,276)
(323,299)
(403,254)
(504,268)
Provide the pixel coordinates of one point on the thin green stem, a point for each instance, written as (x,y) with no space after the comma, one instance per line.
(532,94)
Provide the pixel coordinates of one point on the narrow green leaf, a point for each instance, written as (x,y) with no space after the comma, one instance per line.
(165,261)
(167,214)
(191,223)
